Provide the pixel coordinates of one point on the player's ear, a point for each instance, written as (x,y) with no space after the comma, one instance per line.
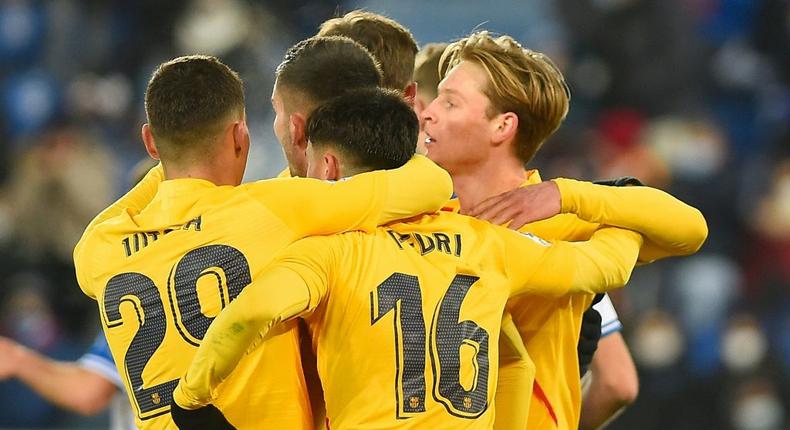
(410,93)
(148,141)
(505,127)
(333,170)
(298,126)
(241,137)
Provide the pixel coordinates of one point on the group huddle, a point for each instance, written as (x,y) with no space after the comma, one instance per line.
(356,291)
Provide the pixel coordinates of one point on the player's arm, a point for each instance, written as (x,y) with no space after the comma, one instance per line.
(66,384)
(293,285)
(600,264)
(670,227)
(313,207)
(614,381)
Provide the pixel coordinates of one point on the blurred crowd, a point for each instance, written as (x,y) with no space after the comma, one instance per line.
(690,96)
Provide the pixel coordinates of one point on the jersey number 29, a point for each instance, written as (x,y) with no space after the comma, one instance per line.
(141,292)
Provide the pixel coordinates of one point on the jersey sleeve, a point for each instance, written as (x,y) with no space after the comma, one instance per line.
(670,227)
(292,286)
(554,269)
(610,322)
(313,207)
(136,199)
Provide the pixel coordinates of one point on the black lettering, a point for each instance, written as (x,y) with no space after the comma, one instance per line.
(457,245)
(154,235)
(126,247)
(395,238)
(424,249)
(443,243)
(136,243)
(196,222)
(145,239)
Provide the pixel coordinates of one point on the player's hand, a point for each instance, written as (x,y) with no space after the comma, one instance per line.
(9,358)
(206,418)
(589,335)
(521,206)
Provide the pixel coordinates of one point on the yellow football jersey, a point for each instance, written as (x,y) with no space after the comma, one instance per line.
(160,275)
(405,322)
(549,327)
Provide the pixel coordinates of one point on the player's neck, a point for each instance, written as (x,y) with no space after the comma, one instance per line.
(207,173)
(476,184)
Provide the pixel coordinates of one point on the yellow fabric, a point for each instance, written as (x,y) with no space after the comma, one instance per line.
(194,245)
(351,287)
(671,227)
(135,200)
(550,327)
(285,173)
(516,374)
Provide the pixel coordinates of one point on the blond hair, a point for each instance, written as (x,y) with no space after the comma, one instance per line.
(520,80)
(426,69)
(389,42)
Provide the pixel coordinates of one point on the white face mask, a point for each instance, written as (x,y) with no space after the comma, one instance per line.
(657,342)
(744,347)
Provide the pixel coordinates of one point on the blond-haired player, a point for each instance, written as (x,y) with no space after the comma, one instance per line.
(497,104)
(612,382)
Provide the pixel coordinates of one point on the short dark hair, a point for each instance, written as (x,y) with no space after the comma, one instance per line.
(373,128)
(390,43)
(321,68)
(187,100)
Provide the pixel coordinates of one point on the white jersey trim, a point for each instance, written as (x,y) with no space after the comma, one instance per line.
(610,322)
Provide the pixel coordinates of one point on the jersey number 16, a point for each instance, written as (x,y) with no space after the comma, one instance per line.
(400,293)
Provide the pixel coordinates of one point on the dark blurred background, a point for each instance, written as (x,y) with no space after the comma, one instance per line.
(691,96)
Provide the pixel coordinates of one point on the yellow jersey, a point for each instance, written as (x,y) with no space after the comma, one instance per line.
(549,327)
(161,268)
(405,322)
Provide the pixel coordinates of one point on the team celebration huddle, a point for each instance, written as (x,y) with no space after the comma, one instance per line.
(409,268)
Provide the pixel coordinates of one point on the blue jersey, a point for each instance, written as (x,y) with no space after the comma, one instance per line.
(99,360)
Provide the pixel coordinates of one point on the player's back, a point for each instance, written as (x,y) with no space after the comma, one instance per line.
(407,334)
(161,276)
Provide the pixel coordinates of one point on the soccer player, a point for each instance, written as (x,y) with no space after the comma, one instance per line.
(389,42)
(161,269)
(612,383)
(498,102)
(87,387)
(314,71)
(382,306)
(393,47)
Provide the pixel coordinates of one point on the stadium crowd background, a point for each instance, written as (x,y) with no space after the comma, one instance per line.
(691,96)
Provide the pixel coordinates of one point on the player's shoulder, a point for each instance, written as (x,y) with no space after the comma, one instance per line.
(279,192)
(94,240)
